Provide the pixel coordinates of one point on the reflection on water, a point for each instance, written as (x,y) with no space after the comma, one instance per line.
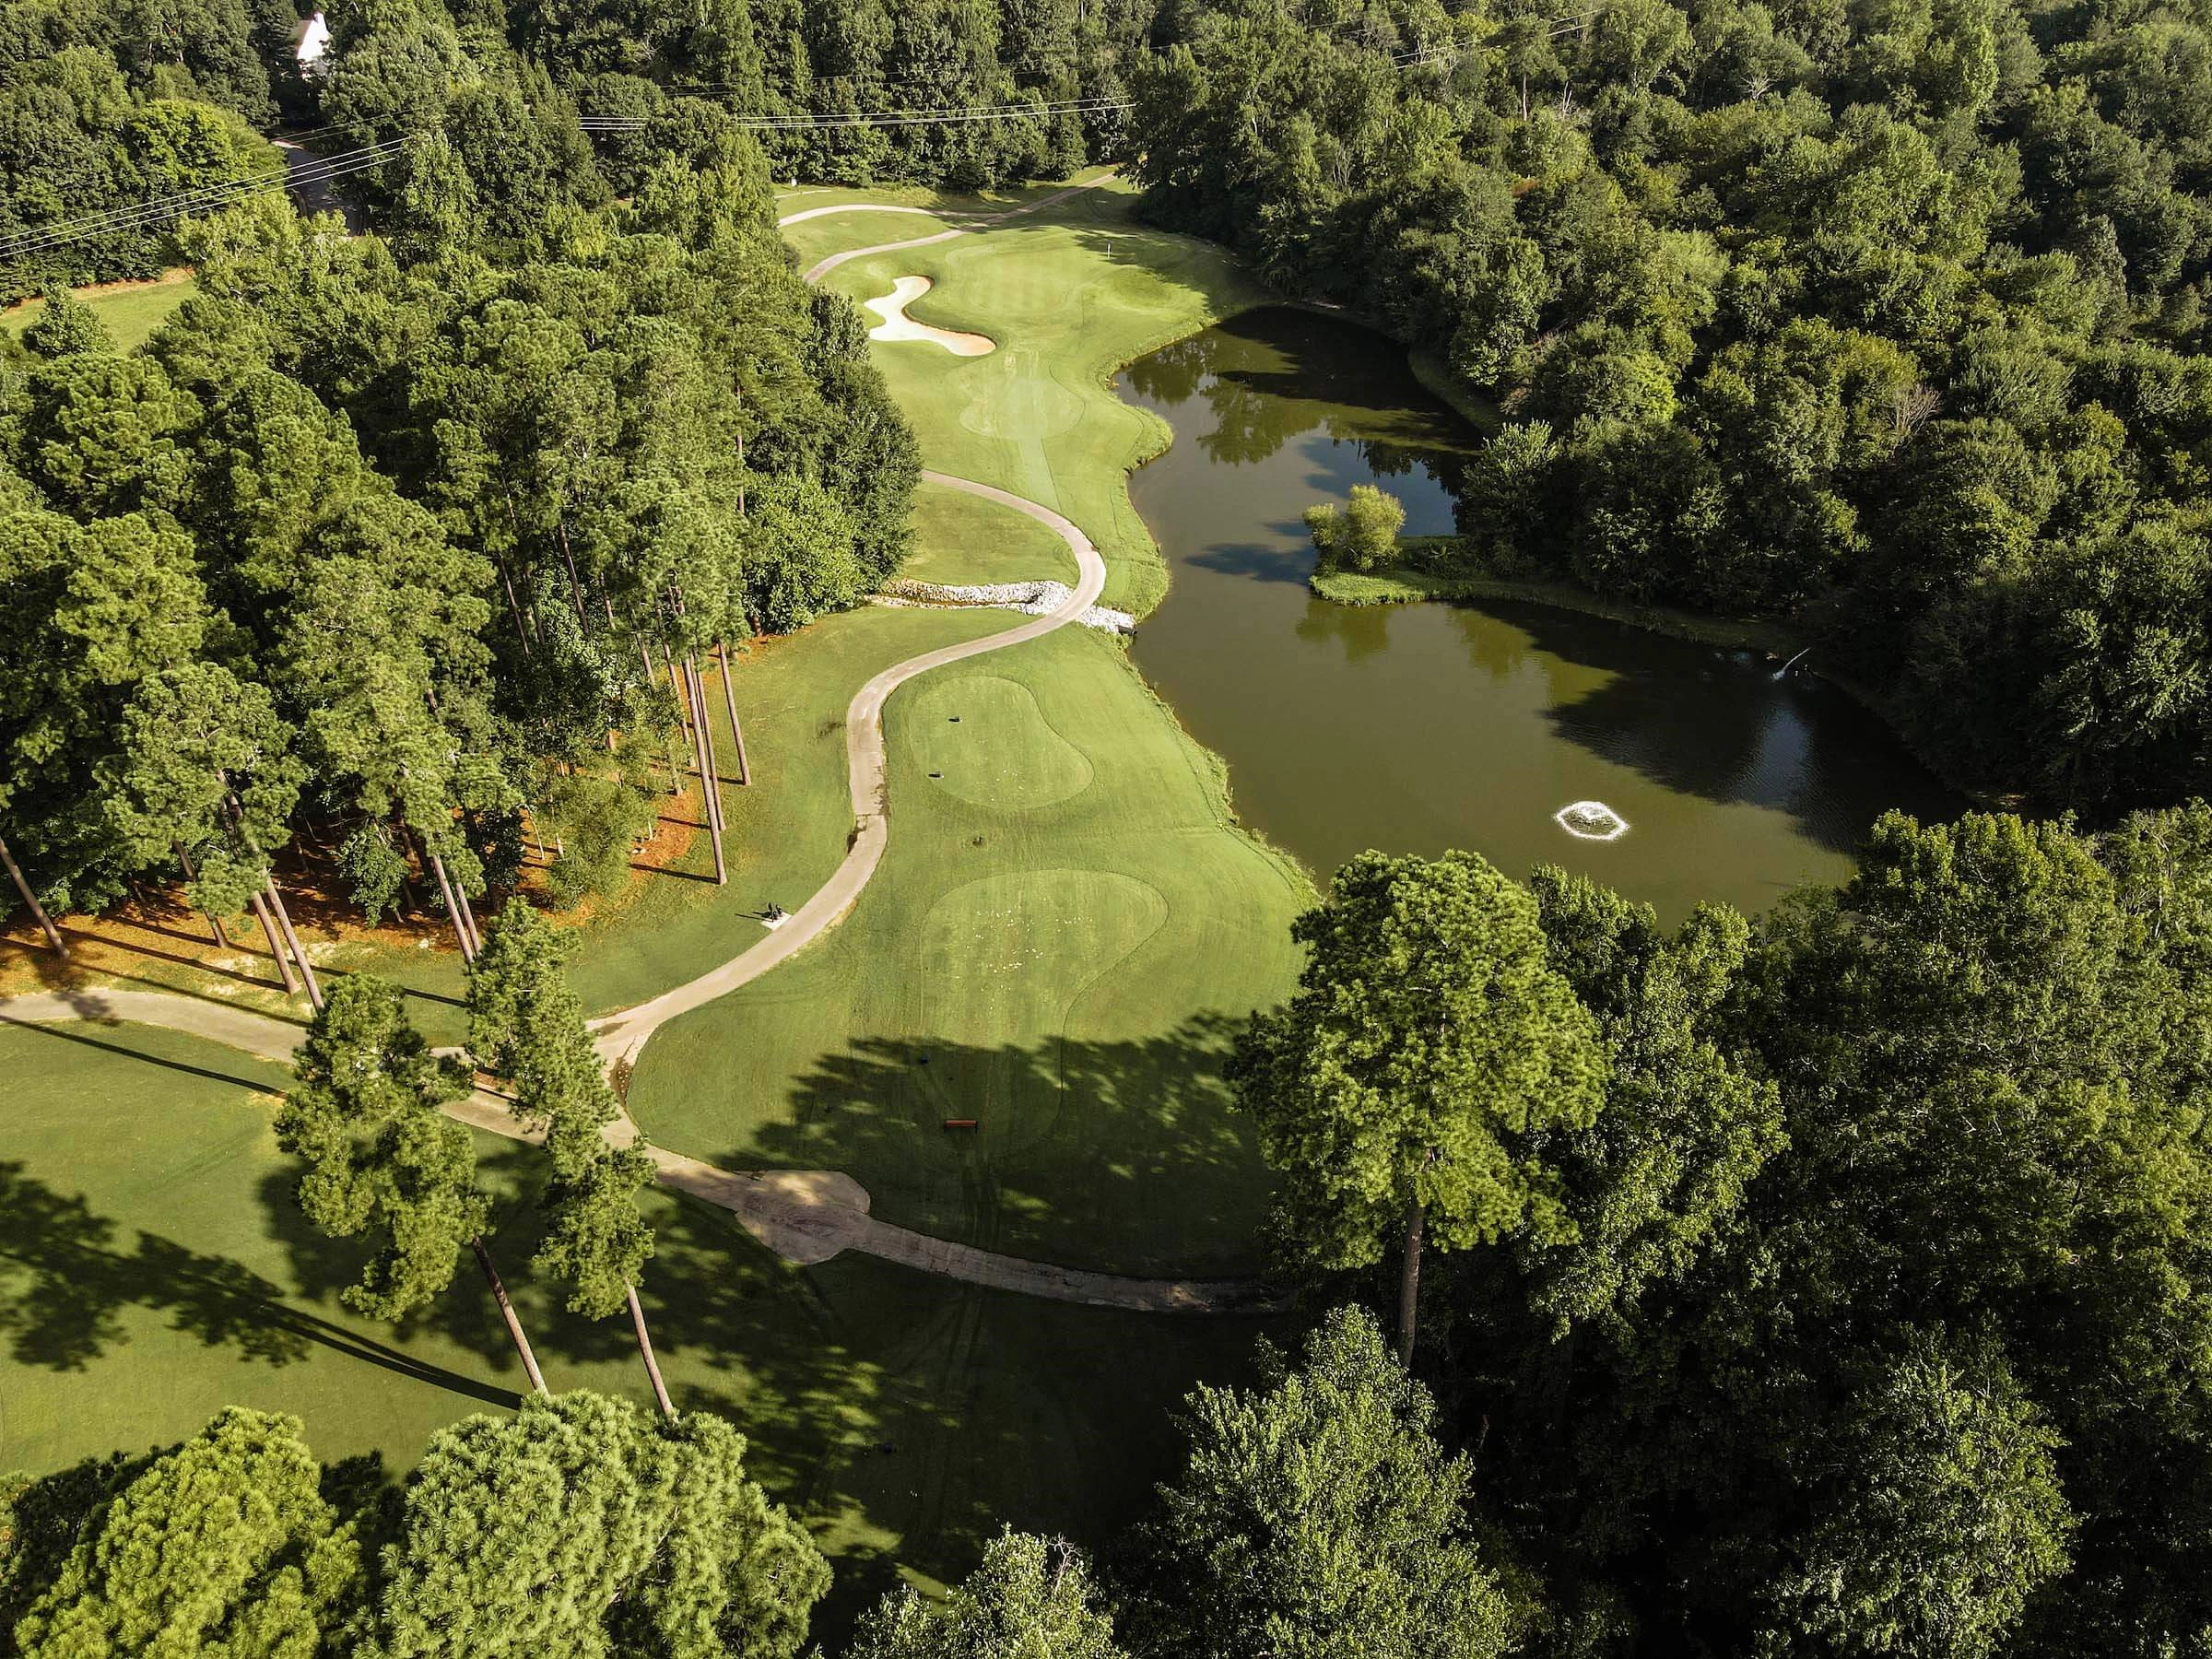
(1417,728)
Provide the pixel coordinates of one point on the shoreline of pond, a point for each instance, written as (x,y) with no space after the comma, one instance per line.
(1405,585)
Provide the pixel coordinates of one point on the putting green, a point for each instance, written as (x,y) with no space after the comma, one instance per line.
(981,737)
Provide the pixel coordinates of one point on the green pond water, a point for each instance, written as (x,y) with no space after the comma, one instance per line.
(1414,728)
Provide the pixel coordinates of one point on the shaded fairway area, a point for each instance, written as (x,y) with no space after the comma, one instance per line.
(153,1268)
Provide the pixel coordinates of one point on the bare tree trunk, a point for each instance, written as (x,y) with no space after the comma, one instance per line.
(476,934)
(215,923)
(729,701)
(653,1366)
(514,1326)
(675,685)
(453,911)
(284,922)
(54,933)
(522,631)
(268,931)
(1409,1283)
(708,785)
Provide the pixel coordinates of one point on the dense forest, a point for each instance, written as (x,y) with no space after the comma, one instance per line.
(382,542)
(1889,319)
(1832,1282)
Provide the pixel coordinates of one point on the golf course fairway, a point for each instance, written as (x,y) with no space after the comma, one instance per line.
(1061,931)
(1067,919)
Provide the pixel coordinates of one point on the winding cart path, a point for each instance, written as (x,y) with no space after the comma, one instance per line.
(803,1215)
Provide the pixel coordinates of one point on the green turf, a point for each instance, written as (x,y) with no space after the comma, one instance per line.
(131,315)
(959,538)
(1070,294)
(1063,924)
(1067,918)
(153,1269)
(814,239)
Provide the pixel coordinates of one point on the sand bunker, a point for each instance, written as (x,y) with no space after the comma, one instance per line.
(897,326)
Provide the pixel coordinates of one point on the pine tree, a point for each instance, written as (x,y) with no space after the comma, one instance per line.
(526,1026)
(383,1158)
(225,1547)
(580,1527)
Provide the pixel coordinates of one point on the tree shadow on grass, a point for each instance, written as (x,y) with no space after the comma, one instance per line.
(1117,1154)
(75,1033)
(67,1278)
(904,1417)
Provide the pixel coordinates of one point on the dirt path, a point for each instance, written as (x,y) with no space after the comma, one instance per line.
(805,1215)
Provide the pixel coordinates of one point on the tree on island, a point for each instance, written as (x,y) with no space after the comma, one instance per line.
(1398,1091)
(383,1158)
(525,1024)
(1363,534)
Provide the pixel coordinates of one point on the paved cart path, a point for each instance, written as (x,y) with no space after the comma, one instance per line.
(803,1215)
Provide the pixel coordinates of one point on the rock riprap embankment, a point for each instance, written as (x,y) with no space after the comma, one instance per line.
(1030,598)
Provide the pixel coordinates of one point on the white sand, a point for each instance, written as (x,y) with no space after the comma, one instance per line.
(897,326)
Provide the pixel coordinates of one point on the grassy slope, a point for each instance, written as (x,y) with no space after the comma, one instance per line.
(1070,294)
(131,313)
(153,1269)
(1066,915)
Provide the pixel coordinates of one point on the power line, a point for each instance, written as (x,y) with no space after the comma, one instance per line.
(158,211)
(812,122)
(206,198)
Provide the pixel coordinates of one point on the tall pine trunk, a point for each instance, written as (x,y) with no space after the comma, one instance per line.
(729,701)
(453,910)
(702,744)
(468,916)
(683,724)
(215,923)
(54,933)
(1409,1281)
(284,922)
(514,1326)
(653,1366)
(268,932)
